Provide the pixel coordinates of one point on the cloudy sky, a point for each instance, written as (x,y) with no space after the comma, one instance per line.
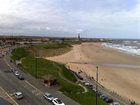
(91,18)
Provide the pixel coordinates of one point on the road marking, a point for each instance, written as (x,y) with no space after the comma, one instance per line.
(36,89)
(7,63)
(36,92)
(15,103)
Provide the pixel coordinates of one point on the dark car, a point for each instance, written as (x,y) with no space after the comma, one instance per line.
(99,93)
(109,100)
(21,77)
(104,97)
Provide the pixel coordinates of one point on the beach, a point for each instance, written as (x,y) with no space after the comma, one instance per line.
(118,71)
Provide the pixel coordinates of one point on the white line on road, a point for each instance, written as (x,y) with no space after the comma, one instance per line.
(15,103)
(33,87)
(7,63)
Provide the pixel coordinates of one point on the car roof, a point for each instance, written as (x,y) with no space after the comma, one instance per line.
(18,93)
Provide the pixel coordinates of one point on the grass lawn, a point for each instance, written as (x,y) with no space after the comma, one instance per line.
(50,49)
(65,78)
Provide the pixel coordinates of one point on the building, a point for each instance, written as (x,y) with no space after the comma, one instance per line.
(49,80)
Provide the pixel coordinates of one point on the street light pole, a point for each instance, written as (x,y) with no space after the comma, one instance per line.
(36,66)
(97,85)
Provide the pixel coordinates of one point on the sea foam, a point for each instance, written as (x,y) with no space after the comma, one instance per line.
(133,50)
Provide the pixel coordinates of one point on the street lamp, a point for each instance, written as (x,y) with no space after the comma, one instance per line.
(97,85)
(37,55)
(36,65)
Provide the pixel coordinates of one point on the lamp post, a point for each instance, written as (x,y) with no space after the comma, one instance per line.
(36,61)
(97,85)
(36,65)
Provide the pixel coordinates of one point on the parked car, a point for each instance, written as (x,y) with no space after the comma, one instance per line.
(20,77)
(94,89)
(99,93)
(87,83)
(108,100)
(18,95)
(16,73)
(104,97)
(57,101)
(48,96)
(115,103)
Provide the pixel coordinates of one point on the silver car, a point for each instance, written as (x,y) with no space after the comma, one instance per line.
(48,96)
(16,73)
(115,103)
(57,101)
(18,95)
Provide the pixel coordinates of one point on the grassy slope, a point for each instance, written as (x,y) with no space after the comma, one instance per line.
(51,49)
(45,67)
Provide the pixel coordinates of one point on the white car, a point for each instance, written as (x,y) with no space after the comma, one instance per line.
(48,96)
(87,83)
(18,95)
(57,101)
(16,73)
(115,103)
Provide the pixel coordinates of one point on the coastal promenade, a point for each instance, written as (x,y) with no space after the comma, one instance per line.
(119,72)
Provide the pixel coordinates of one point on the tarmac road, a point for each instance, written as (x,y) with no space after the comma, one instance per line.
(11,84)
(31,87)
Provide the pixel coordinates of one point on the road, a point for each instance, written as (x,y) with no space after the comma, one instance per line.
(11,84)
(31,87)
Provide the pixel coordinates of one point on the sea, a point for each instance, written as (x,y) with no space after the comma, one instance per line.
(127,46)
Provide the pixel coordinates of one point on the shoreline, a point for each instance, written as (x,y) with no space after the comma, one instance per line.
(121,50)
(122,80)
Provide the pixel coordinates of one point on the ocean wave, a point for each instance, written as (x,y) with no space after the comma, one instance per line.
(133,50)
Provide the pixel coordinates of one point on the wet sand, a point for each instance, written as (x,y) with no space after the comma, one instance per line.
(119,72)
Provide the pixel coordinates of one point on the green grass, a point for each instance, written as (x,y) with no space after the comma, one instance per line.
(66,73)
(54,45)
(50,49)
(87,98)
(19,53)
(65,78)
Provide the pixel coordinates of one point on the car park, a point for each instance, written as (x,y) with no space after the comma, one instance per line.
(18,95)
(48,96)
(57,101)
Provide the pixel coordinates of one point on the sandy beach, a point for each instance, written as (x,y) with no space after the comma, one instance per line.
(118,71)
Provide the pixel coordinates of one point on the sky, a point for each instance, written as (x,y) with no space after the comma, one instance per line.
(90,18)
